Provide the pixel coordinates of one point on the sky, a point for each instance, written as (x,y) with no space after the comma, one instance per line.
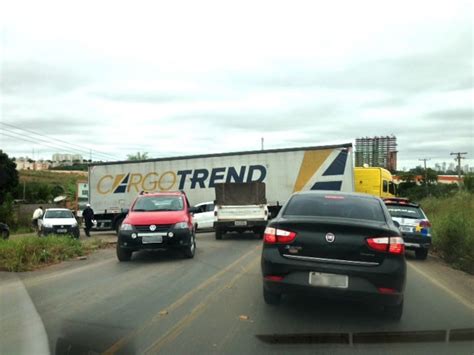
(193,77)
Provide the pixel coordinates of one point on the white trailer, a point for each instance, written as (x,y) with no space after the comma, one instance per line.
(114,185)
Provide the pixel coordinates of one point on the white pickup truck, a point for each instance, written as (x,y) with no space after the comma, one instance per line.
(240,207)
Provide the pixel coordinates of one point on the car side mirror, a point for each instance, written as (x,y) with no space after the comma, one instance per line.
(396,224)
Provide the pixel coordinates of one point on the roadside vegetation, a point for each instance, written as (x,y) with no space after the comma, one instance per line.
(452,218)
(30,252)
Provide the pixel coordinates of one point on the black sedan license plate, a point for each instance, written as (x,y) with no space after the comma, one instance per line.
(320,279)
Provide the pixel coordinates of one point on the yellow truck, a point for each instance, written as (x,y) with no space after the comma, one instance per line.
(374,181)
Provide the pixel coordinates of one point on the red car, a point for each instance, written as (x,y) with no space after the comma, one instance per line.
(158,221)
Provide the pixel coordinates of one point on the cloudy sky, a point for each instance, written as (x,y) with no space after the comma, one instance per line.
(188,77)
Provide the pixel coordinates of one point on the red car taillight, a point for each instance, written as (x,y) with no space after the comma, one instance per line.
(392,245)
(280,236)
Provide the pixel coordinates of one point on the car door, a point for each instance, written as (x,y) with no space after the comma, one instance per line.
(205,217)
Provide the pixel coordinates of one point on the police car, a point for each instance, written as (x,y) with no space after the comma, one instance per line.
(414,225)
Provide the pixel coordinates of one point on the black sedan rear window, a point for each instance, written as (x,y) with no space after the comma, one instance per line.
(335,206)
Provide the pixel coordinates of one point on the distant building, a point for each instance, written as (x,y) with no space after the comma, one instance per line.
(25,163)
(66,159)
(452,167)
(377,152)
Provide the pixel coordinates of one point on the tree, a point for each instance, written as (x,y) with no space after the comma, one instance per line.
(8,176)
(469,182)
(138,156)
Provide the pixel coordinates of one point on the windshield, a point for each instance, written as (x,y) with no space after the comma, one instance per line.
(58,214)
(334,206)
(158,203)
(405,212)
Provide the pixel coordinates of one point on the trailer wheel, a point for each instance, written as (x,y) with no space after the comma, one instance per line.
(218,233)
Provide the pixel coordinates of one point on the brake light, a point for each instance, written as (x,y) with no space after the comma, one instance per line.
(387,290)
(273,278)
(425,224)
(392,245)
(280,236)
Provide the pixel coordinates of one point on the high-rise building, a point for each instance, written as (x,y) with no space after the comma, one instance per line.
(377,151)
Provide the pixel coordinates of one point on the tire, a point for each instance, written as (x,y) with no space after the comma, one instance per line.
(190,250)
(271,298)
(421,254)
(394,312)
(118,225)
(218,233)
(123,254)
(5,234)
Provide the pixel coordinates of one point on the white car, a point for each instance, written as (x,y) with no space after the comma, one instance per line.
(204,218)
(58,221)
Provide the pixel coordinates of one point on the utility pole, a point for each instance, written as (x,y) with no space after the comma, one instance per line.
(262,140)
(458,158)
(424,160)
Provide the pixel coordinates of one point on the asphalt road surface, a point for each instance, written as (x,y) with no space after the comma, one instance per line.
(213,304)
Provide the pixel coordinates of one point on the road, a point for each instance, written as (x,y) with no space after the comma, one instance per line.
(162,303)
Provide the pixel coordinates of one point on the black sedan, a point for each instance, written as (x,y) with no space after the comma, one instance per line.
(338,245)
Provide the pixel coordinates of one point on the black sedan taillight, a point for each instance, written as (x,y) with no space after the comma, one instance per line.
(392,245)
(278,236)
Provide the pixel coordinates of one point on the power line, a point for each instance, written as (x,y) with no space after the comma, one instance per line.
(86,149)
(33,140)
(40,141)
(56,145)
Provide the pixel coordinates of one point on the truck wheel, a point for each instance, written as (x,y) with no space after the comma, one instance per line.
(421,254)
(190,250)
(218,233)
(123,254)
(271,298)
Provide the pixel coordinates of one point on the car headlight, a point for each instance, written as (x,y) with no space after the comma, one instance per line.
(126,227)
(47,225)
(181,225)
(74,225)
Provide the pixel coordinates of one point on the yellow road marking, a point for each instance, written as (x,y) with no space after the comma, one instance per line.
(443,287)
(124,340)
(174,332)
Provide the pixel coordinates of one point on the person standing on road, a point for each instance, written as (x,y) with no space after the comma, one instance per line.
(37,214)
(88,215)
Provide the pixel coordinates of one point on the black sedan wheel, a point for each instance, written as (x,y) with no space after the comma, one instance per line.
(271,298)
(394,312)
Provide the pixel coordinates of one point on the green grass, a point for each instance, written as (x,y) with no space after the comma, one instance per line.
(453,228)
(31,252)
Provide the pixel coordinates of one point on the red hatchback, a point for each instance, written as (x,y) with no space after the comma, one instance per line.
(157,221)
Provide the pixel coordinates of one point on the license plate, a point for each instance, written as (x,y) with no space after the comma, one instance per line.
(240,223)
(61,230)
(406,229)
(320,279)
(152,239)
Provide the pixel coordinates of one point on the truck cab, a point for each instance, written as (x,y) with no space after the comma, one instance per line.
(374,181)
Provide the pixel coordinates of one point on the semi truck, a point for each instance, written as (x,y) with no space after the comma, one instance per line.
(374,181)
(114,185)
